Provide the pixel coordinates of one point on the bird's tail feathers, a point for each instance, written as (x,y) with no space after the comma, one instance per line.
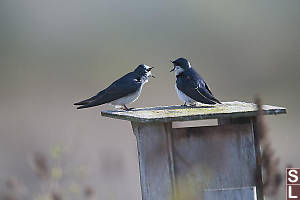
(92,103)
(217,101)
(81,107)
(89,100)
(80,103)
(83,102)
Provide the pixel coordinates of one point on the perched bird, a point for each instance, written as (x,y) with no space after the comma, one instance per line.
(190,86)
(123,91)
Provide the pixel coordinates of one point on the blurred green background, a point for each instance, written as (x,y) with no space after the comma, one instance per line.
(54,53)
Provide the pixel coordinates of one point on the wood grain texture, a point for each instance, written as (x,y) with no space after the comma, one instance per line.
(215,157)
(155,160)
(179,113)
(258,175)
(179,161)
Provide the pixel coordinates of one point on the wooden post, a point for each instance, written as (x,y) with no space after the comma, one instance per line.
(210,163)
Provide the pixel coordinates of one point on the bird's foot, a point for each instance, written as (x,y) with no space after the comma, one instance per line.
(184,105)
(189,104)
(126,108)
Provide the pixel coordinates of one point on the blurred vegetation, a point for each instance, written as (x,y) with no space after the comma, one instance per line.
(51,184)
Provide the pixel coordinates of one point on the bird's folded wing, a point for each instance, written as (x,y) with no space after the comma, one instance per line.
(208,92)
(195,90)
(116,90)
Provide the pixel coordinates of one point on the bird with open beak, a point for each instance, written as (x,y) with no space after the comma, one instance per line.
(123,91)
(190,86)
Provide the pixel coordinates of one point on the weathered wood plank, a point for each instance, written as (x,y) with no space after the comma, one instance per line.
(176,161)
(179,113)
(247,193)
(258,174)
(214,157)
(259,179)
(155,160)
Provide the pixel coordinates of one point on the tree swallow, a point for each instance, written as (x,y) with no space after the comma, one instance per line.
(190,86)
(123,91)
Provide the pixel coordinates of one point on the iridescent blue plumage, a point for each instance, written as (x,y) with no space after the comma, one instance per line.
(191,84)
(121,92)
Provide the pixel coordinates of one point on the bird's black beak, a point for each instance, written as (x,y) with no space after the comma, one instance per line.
(151,74)
(173,67)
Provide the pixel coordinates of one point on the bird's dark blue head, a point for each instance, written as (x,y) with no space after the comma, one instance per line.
(144,71)
(180,64)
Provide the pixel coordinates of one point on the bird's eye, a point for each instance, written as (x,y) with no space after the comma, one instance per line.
(148,70)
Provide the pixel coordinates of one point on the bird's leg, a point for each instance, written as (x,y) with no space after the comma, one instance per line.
(126,108)
(184,104)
